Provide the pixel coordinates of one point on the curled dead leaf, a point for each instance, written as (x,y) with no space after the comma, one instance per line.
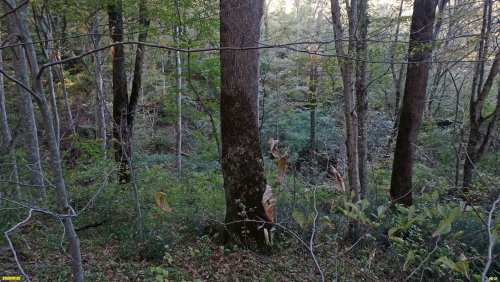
(338,182)
(269,202)
(161,201)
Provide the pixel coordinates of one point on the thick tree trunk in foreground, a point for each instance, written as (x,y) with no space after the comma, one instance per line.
(120,96)
(421,34)
(244,180)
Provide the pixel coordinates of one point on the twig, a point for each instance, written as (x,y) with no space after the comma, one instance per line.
(426,258)
(311,240)
(14,253)
(491,240)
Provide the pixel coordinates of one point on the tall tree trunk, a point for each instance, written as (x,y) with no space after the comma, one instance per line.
(44,28)
(362,95)
(19,18)
(479,143)
(346,69)
(417,74)
(7,136)
(178,80)
(242,166)
(100,112)
(16,22)
(120,96)
(397,75)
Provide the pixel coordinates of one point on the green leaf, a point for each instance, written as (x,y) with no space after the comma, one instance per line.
(410,257)
(397,239)
(448,263)
(299,217)
(411,212)
(381,210)
(444,227)
(392,231)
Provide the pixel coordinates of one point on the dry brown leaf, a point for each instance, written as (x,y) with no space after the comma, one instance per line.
(268,202)
(161,201)
(273,146)
(338,182)
(282,166)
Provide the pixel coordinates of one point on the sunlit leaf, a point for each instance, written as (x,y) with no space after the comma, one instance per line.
(410,257)
(448,263)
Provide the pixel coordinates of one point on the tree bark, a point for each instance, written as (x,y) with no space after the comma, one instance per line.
(420,51)
(478,143)
(120,96)
(7,136)
(242,165)
(178,81)
(100,102)
(20,19)
(16,22)
(362,96)
(346,69)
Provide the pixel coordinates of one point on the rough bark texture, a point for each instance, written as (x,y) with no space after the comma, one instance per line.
(120,97)
(478,143)
(346,69)
(421,34)
(244,180)
(16,22)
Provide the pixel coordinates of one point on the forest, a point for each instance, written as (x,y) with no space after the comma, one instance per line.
(249,140)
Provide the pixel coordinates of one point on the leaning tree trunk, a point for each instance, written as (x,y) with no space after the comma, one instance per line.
(420,51)
(28,119)
(244,180)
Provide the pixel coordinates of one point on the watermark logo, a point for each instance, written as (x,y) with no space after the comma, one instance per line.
(11,278)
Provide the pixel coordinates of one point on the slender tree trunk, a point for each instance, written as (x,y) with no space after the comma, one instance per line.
(16,22)
(244,179)
(478,143)
(178,138)
(420,52)
(346,69)
(100,102)
(313,85)
(20,19)
(362,95)
(43,26)
(397,75)
(7,136)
